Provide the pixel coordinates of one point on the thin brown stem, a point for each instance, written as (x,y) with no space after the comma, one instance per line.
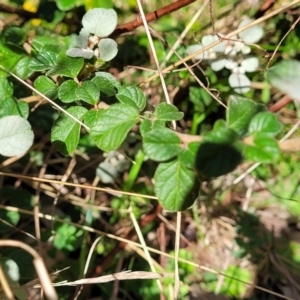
(151,17)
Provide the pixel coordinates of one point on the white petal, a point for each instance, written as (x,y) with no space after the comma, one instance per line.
(194,48)
(246,49)
(239,70)
(230,64)
(218,64)
(208,39)
(237,46)
(250,64)
(253,34)
(240,83)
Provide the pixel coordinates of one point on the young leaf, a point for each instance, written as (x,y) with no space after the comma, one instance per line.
(67,91)
(66,131)
(239,113)
(219,153)
(167,112)
(88,92)
(176,186)
(265,122)
(100,21)
(108,49)
(46,86)
(132,96)
(16,136)
(285,77)
(161,144)
(112,126)
(264,149)
(66,66)
(78,52)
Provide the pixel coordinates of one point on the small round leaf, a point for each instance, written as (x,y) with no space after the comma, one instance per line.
(16,136)
(100,21)
(108,49)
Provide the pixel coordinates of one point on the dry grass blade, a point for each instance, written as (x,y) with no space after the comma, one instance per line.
(126,275)
(38,262)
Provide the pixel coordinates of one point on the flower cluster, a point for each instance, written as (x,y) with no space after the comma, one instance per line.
(232,54)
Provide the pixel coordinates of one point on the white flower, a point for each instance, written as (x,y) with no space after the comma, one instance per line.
(230,55)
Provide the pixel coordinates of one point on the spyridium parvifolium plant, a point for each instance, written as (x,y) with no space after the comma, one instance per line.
(68,74)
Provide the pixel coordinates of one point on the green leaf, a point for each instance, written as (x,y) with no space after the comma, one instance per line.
(43,61)
(100,21)
(11,106)
(16,136)
(161,144)
(105,85)
(240,111)
(66,66)
(67,91)
(237,289)
(112,125)
(265,149)
(176,186)
(188,155)
(23,67)
(65,4)
(132,96)
(9,59)
(66,131)
(108,49)
(110,78)
(266,123)
(6,88)
(67,237)
(88,92)
(200,98)
(219,153)
(285,76)
(91,116)
(148,125)
(98,3)
(11,217)
(167,112)
(43,42)
(14,35)
(46,86)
